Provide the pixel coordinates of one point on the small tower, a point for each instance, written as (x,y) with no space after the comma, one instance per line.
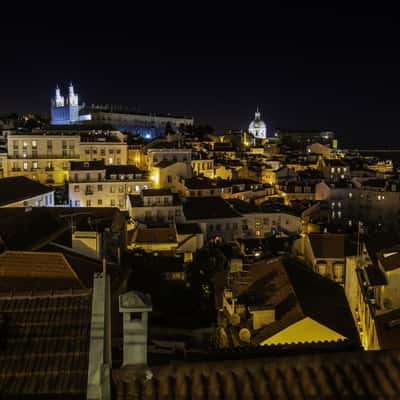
(58,99)
(72,97)
(135,307)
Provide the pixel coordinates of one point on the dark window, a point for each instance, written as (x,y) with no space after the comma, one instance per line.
(136,316)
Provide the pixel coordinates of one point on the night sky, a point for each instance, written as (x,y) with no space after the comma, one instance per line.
(305,68)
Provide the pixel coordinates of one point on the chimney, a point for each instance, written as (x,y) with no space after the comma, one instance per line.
(98,384)
(135,307)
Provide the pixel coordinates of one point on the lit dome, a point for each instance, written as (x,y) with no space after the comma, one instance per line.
(257,127)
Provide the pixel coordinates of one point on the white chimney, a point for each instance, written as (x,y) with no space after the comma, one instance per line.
(135,307)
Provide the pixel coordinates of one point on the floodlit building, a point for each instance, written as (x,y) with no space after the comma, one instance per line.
(66,110)
(147,125)
(155,206)
(93,184)
(257,127)
(42,156)
(109,146)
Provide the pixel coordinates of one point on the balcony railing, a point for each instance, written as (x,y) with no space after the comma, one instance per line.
(42,157)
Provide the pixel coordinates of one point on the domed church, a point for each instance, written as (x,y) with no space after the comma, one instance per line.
(257,127)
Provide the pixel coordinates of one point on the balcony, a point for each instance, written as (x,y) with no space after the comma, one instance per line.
(42,157)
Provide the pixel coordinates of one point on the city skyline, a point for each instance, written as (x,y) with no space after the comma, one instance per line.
(307,68)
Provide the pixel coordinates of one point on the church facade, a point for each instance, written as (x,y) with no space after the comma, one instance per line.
(257,127)
(66,110)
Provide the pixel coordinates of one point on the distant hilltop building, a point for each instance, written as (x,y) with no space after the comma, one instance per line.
(66,110)
(147,125)
(257,127)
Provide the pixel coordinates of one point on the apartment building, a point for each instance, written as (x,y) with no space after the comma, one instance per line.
(94,184)
(42,156)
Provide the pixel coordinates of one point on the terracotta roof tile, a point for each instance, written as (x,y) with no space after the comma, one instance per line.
(25,270)
(324,376)
(45,344)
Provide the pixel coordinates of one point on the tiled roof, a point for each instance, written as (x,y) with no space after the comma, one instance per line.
(156,235)
(208,208)
(84,267)
(23,270)
(17,225)
(391,262)
(357,375)
(156,192)
(165,163)
(330,245)
(202,182)
(19,188)
(244,207)
(45,345)
(188,229)
(87,165)
(286,287)
(123,169)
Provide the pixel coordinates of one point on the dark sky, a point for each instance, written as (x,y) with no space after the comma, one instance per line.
(330,68)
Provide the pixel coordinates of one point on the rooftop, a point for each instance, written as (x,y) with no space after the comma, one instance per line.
(345,375)
(331,245)
(123,170)
(208,208)
(25,270)
(87,165)
(155,235)
(20,188)
(156,192)
(285,286)
(45,349)
(202,182)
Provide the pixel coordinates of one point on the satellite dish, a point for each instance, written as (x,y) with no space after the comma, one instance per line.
(235,319)
(245,335)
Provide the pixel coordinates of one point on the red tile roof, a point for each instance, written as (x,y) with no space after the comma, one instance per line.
(26,270)
(45,344)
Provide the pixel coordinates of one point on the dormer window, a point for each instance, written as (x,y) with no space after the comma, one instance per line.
(86,165)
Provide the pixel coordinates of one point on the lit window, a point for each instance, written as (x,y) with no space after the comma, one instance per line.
(25,165)
(34,144)
(350,195)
